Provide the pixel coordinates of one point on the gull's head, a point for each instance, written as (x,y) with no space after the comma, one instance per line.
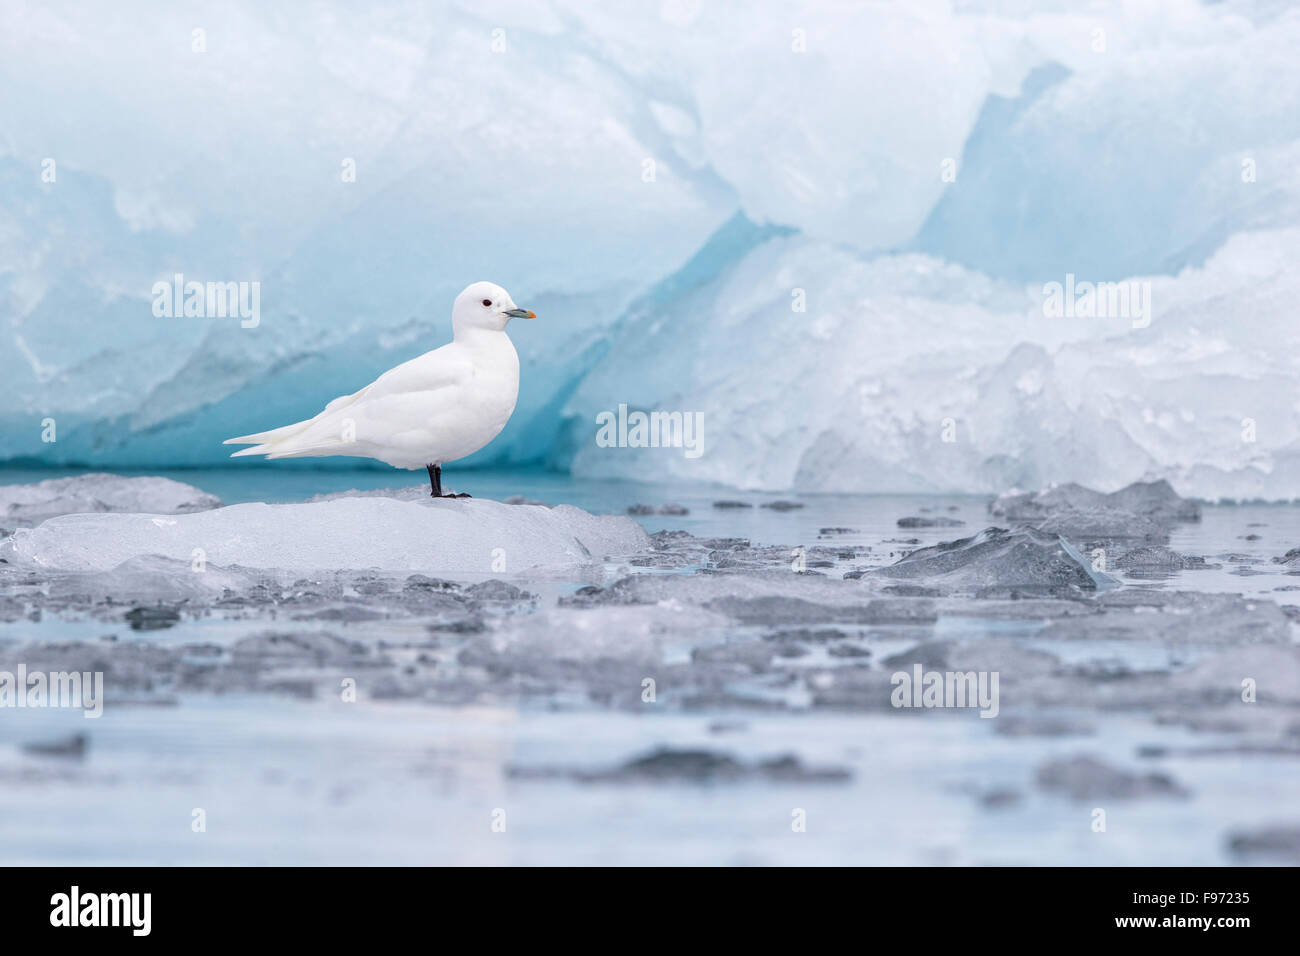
(485,305)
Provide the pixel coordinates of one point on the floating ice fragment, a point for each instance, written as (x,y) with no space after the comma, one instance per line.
(431,536)
(30,504)
(1023,559)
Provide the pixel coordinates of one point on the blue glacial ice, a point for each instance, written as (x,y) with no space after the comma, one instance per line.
(657,204)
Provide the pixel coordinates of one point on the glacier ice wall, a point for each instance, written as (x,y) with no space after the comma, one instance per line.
(938,378)
(655,181)
(234,164)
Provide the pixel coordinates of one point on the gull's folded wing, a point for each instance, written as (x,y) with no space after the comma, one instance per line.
(432,371)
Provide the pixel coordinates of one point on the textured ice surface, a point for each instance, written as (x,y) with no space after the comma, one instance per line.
(1157,559)
(1176,617)
(29,504)
(705,677)
(434,536)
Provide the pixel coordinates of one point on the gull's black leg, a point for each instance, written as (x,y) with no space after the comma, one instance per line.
(435,483)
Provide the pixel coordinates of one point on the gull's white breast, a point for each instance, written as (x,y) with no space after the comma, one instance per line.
(417,426)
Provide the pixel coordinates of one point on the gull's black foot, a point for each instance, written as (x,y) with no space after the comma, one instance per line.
(435,483)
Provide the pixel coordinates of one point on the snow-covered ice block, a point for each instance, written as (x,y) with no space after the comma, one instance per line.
(435,536)
(33,503)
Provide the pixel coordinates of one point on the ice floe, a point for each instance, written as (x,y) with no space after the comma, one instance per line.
(29,504)
(433,536)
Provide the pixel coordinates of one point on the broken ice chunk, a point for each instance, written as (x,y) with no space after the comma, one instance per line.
(30,504)
(929,522)
(693,766)
(1087,778)
(1280,842)
(1154,499)
(1158,559)
(668,509)
(1176,618)
(1023,559)
(1104,525)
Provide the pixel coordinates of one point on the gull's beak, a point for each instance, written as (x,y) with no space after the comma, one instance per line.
(520,314)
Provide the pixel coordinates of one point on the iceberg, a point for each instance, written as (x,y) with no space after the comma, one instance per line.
(912,174)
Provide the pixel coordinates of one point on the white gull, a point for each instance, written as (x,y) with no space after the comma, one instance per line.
(436,408)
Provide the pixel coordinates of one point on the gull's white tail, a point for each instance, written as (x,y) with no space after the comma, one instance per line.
(280,443)
(265,442)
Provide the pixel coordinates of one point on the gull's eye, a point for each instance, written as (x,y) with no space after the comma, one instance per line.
(486,303)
